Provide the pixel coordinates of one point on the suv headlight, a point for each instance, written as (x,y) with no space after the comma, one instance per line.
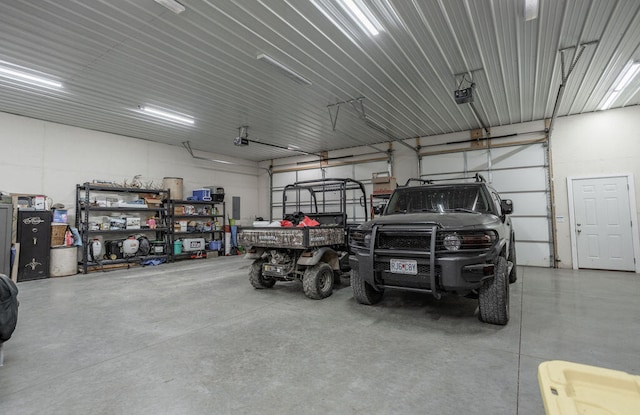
(452,242)
(467,240)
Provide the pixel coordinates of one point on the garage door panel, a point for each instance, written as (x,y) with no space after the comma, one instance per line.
(277,213)
(520,156)
(363,171)
(525,204)
(443,163)
(339,172)
(313,174)
(282,179)
(532,254)
(477,160)
(518,180)
(531,229)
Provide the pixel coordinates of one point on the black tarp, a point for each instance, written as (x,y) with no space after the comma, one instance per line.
(8,307)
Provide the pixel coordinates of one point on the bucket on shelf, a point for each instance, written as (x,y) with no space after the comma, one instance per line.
(175,185)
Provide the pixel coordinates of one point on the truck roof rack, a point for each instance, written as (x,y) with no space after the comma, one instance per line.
(478,178)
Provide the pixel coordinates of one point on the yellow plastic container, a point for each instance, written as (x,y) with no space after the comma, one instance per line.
(574,389)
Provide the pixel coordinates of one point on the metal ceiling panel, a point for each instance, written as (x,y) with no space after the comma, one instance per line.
(114,56)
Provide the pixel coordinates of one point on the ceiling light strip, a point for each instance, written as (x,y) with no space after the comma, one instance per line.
(28,78)
(530,10)
(167,115)
(172,5)
(623,80)
(362,16)
(286,70)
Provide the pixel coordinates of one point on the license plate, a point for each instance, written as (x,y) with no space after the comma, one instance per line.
(404,266)
(273,269)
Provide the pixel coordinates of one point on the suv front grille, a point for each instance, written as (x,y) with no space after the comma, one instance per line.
(411,242)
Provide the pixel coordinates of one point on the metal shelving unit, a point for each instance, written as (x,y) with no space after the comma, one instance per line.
(89,206)
(204,214)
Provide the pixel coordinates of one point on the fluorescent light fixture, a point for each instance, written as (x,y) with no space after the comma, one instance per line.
(361,14)
(623,80)
(28,78)
(172,5)
(290,73)
(167,115)
(222,161)
(530,10)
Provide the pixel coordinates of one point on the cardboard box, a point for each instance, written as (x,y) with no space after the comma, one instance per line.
(383,184)
(153,202)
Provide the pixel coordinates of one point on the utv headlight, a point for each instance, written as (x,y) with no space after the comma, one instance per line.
(452,242)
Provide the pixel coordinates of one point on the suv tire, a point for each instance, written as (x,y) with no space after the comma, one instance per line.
(494,296)
(317,281)
(258,280)
(363,292)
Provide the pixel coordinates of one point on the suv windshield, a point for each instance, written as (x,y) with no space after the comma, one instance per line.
(440,199)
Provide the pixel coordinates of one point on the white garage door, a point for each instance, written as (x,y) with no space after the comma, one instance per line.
(359,171)
(518,173)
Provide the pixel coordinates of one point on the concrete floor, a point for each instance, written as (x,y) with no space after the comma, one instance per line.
(194,337)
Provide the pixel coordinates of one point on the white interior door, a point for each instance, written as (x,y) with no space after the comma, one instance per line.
(602,223)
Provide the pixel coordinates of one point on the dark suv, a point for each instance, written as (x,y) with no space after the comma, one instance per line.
(440,238)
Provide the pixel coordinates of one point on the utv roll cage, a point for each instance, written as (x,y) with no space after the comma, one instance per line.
(318,201)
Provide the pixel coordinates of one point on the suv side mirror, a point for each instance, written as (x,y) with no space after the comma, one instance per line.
(506,206)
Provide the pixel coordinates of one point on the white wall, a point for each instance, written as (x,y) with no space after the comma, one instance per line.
(41,157)
(606,142)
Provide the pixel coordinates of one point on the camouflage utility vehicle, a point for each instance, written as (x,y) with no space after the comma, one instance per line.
(316,255)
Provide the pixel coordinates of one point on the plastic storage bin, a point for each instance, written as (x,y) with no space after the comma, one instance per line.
(202,194)
(574,389)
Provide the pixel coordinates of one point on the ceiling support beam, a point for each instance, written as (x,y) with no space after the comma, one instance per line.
(358,107)
(565,76)
(187,146)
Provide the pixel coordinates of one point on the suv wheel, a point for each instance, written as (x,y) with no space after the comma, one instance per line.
(257,279)
(513,276)
(363,292)
(317,281)
(494,296)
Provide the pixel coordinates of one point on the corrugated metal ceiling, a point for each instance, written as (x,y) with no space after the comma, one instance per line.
(114,55)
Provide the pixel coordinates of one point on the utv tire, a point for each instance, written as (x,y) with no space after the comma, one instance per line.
(256,278)
(513,275)
(494,296)
(363,292)
(317,281)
